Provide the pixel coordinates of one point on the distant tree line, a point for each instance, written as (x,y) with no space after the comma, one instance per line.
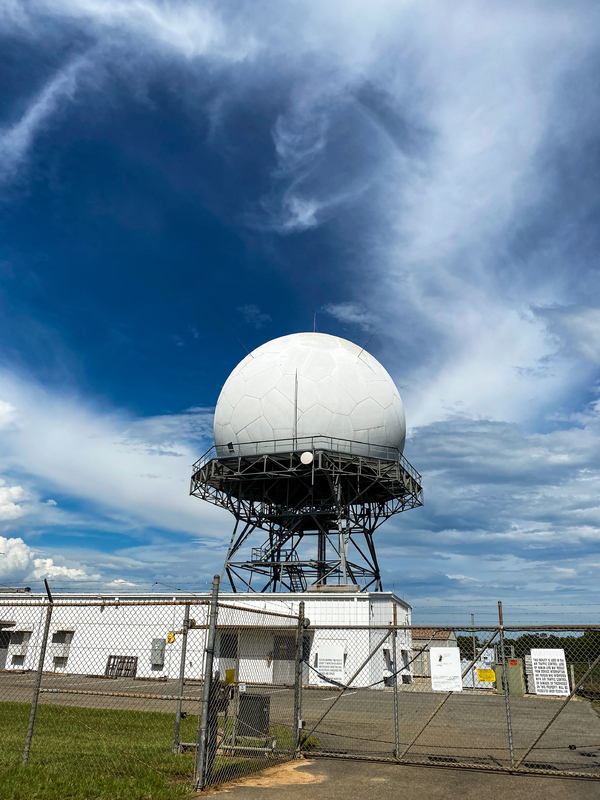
(582,647)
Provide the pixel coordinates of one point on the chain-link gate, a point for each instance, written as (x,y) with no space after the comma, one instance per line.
(489,698)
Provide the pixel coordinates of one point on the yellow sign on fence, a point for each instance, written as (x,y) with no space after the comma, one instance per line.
(229,676)
(486,675)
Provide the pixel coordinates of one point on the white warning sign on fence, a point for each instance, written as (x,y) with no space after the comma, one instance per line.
(330,663)
(550,672)
(446,675)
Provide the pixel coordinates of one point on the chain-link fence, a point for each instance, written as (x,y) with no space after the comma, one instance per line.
(113,693)
(90,693)
(153,698)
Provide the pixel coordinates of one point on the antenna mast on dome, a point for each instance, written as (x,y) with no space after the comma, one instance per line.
(308,450)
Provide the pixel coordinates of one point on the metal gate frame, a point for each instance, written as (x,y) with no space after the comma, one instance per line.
(522,739)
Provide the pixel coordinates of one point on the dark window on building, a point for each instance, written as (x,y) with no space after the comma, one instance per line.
(229,645)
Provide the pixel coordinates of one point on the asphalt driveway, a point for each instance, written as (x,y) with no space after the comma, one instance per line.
(341,779)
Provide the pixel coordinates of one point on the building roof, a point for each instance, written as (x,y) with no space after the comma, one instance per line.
(284,598)
(431,633)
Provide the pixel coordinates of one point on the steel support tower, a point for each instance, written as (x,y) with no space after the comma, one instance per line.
(319,501)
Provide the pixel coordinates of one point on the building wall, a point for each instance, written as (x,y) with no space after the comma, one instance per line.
(83,636)
(421,665)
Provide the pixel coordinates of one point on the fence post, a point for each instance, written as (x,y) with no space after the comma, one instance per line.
(505,686)
(184,635)
(395,684)
(298,679)
(208,674)
(38,677)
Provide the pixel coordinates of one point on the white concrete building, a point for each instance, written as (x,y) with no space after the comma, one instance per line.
(128,635)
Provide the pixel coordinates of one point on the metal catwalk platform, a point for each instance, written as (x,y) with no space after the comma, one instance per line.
(318,499)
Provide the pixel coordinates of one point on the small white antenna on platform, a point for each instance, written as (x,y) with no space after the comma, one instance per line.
(367,344)
(295,408)
(248,351)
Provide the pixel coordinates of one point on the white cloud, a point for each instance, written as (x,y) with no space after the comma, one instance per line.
(10,499)
(445,270)
(107,458)
(16,141)
(18,563)
(463,579)
(46,568)
(253,315)
(352,314)
(16,559)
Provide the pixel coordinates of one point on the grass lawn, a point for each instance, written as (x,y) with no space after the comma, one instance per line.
(103,754)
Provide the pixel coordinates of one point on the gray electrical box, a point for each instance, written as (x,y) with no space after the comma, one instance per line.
(253,715)
(157,653)
(515,675)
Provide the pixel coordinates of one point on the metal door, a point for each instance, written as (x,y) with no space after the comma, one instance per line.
(228,654)
(284,658)
(4,642)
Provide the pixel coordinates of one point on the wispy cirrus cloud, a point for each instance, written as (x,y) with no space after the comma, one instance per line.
(252,315)
(351,313)
(17,140)
(432,148)
(107,457)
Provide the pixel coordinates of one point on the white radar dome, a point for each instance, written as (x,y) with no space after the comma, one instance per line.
(308,385)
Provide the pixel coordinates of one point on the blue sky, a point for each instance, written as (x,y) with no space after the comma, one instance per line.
(177,177)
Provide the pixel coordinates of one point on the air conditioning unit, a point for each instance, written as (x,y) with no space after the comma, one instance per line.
(59,650)
(19,642)
(61,643)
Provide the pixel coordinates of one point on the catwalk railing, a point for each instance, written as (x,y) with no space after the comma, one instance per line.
(156,698)
(311,444)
